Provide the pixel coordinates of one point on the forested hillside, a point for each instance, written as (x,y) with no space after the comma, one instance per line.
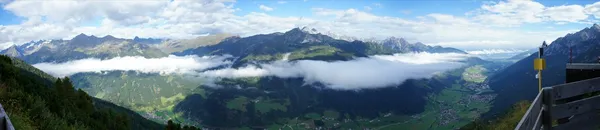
(34,102)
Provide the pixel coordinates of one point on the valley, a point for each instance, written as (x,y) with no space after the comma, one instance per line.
(446,100)
(266,84)
(287,64)
(450,108)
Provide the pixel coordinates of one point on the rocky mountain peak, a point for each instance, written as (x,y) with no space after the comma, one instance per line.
(13,51)
(81,36)
(420,44)
(562,44)
(309,30)
(304,35)
(109,37)
(147,40)
(395,40)
(295,31)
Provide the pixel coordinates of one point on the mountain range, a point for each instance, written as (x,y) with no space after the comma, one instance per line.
(445,101)
(84,46)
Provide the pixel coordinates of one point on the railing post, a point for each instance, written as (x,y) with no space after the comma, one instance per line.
(5,123)
(548,101)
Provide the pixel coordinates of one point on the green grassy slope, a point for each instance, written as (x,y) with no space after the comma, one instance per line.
(152,95)
(507,121)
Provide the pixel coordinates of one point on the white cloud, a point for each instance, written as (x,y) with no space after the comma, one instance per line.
(434,29)
(161,19)
(371,72)
(281,2)
(517,12)
(423,58)
(467,43)
(188,19)
(510,13)
(265,8)
(74,12)
(6,45)
(361,73)
(378,5)
(495,51)
(448,19)
(593,9)
(166,65)
(569,13)
(368,8)
(327,12)
(22,34)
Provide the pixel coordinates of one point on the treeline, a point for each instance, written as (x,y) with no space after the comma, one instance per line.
(508,121)
(176,126)
(36,103)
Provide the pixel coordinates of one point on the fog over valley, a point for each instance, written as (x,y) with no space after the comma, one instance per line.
(369,72)
(291,64)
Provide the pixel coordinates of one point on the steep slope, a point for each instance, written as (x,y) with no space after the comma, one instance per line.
(152,95)
(12,51)
(517,82)
(35,102)
(523,55)
(33,46)
(506,121)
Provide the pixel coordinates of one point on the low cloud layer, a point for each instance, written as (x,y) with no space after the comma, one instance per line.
(166,65)
(370,72)
(373,72)
(495,51)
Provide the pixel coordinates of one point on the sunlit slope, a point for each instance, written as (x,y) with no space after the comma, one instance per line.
(149,94)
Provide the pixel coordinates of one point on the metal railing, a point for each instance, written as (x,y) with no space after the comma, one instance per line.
(5,123)
(571,105)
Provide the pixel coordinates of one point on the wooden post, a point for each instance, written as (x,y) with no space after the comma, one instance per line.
(548,102)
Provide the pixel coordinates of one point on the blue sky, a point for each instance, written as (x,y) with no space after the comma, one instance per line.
(407,8)
(464,24)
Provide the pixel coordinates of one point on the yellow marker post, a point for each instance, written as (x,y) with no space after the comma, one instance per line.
(539,64)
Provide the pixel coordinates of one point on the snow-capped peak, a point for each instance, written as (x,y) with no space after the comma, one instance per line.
(310,30)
